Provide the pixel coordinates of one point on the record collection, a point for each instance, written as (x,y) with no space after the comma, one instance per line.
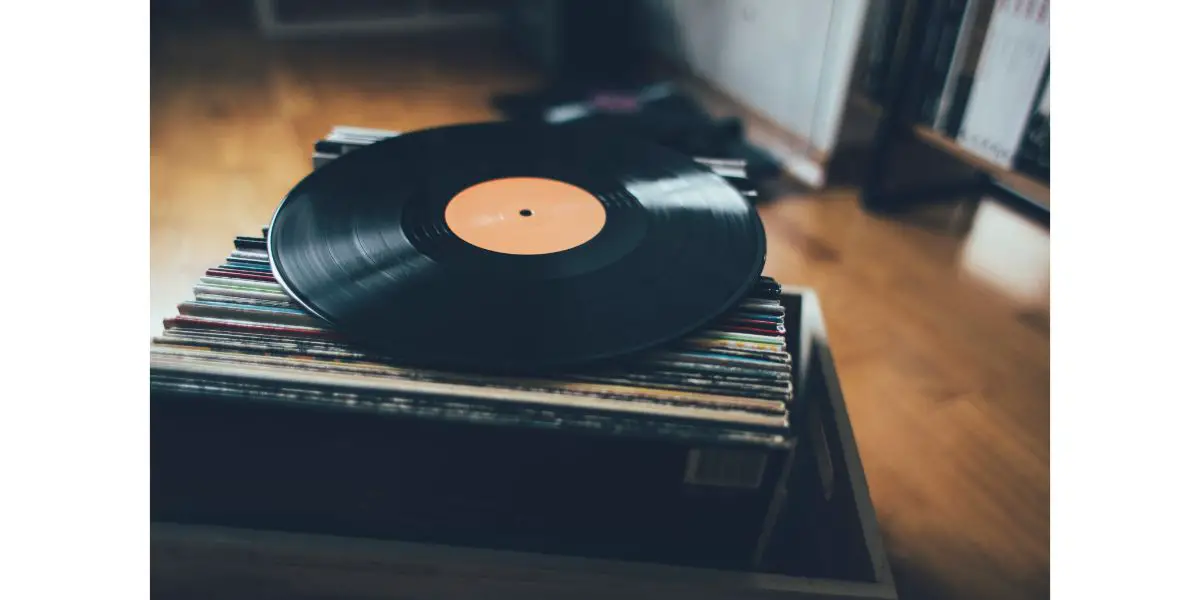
(500,275)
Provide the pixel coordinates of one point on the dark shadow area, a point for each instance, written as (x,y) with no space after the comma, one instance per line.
(916,582)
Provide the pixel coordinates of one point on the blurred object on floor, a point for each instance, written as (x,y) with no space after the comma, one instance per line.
(658,111)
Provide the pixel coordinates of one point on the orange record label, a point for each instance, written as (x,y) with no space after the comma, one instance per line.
(525,215)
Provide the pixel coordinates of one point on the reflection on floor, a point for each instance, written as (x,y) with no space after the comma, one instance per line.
(941,337)
(1008,253)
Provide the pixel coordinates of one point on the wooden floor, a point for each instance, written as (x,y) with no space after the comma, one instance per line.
(941,338)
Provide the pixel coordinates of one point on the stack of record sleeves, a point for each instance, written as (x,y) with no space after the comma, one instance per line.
(242,337)
(342,139)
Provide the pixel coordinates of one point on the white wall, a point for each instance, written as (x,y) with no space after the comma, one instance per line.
(789,59)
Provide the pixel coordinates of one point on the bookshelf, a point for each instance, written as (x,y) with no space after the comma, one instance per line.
(897,130)
(1036,189)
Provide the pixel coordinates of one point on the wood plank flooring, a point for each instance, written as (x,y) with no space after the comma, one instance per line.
(941,338)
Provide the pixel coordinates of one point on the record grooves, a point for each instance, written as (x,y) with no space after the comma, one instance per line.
(513,247)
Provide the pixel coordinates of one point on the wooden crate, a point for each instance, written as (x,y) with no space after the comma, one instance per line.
(815,534)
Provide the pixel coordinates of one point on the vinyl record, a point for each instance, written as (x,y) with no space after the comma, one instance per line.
(514,247)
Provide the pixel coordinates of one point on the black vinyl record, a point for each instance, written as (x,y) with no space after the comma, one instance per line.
(514,247)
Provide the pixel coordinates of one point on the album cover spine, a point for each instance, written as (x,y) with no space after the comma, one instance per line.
(944,34)
(1033,156)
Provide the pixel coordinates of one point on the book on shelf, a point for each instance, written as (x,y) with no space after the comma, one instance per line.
(880,31)
(1006,83)
(952,37)
(961,79)
(938,53)
(955,60)
(1033,156)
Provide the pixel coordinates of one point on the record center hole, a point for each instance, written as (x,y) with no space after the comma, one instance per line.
(525,212)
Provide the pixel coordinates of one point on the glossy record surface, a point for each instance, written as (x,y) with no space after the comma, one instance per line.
(363,243)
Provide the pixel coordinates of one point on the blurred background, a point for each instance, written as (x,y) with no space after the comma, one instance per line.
(898,150)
